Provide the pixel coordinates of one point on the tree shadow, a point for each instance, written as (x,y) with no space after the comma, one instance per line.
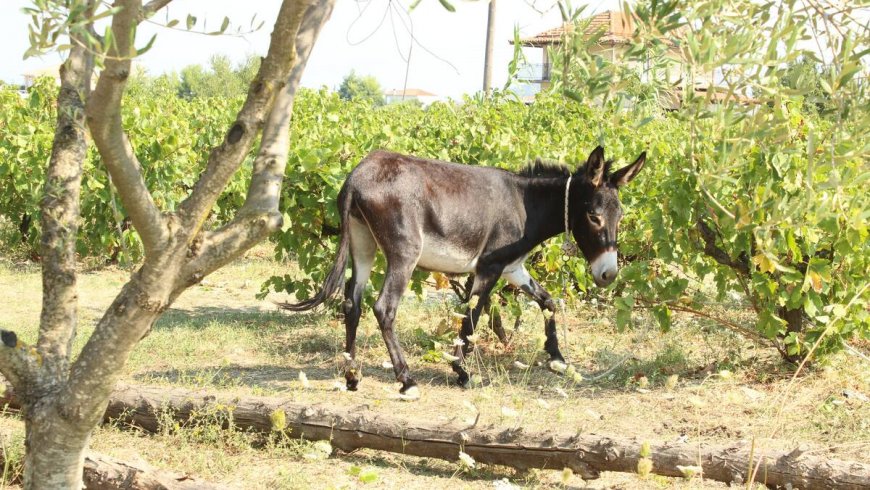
(281,378)
(248,316)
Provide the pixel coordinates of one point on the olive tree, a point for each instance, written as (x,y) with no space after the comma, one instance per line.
(64,398)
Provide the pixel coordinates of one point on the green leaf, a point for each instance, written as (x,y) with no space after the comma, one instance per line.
(623,319)
(447,5)
(368,476)
(662,314)
(147,46)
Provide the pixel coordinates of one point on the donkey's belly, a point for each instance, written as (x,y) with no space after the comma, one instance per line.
(441,256)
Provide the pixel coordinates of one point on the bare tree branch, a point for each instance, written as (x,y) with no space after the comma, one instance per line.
(60,206)
(270,80)
(260,215)
(151,8)
(104,119)
(713,251)
(131,315)
(19,363)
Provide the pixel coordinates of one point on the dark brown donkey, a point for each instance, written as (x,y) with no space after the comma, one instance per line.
(453,218)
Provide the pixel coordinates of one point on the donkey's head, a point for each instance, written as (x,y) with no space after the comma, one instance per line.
(596,211)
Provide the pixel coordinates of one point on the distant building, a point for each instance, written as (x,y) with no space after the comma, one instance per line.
(616,30)
(49,71)
(411,94)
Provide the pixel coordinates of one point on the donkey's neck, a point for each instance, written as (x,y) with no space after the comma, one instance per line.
(544,200)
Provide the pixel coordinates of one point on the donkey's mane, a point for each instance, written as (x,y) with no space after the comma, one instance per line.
(547,168)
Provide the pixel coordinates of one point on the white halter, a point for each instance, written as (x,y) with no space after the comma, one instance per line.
(568,246)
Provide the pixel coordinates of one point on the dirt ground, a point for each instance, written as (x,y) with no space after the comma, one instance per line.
(696,383)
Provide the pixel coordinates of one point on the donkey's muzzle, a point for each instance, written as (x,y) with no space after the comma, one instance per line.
(604,268)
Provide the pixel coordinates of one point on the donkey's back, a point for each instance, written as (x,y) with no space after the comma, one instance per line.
(436,212)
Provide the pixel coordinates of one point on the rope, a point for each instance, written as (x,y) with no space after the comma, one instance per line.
(566,247)
(567,225)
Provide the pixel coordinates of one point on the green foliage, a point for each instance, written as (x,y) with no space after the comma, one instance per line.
(805,76)
(171,137)
(25,144)
(748,199)
(760,206)
(221,79)
(761,201)
(332,136)
(361,88)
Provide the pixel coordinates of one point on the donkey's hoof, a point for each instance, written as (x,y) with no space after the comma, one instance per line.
(410,393)
(557,366)
(352,376)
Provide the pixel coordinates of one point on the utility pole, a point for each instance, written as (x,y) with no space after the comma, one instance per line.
(487,61)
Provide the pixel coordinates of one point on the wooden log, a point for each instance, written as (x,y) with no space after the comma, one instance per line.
(105,473)
(586,454)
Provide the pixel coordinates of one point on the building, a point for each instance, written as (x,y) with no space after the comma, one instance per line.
(52,72)
(615,30)
(412,94)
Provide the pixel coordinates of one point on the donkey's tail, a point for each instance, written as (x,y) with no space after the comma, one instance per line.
(336,275)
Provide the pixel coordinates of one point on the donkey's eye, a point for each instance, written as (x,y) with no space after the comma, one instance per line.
(595,219)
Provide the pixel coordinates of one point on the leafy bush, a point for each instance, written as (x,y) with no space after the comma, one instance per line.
(169,136)
(764,198)
(756,203)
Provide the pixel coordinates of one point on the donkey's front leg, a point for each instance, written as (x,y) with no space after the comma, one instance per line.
(520,278)
(484,281)
(483,284)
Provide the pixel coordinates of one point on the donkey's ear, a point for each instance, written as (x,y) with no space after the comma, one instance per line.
(595,166)
(625,174)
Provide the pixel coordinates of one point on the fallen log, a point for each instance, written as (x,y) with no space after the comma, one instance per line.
(106,473)
(587,455)
(103,472)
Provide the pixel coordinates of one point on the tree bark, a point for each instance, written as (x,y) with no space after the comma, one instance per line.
(103,472)
(62,402)
(586,454)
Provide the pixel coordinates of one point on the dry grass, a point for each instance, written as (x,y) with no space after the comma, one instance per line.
(219,336)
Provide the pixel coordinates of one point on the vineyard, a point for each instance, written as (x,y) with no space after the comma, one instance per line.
(798,234)
(732,346)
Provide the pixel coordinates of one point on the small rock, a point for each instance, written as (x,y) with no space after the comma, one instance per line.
(855,395)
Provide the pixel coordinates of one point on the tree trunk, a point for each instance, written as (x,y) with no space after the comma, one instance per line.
(54,450)
(63,400)
(794,320)
(101,472)
(586,455)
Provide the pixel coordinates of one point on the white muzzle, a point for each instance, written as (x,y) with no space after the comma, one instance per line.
(604,268)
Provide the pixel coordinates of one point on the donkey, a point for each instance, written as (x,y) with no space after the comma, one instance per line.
(453,218)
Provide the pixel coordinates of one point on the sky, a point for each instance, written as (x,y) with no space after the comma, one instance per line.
(368,36)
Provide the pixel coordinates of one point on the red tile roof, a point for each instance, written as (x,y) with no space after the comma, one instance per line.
(616,28)
(411,92)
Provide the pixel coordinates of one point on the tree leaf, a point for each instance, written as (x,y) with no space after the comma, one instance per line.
(447,5)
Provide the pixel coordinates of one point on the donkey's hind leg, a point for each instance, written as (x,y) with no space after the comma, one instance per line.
(399,269)
(363,248)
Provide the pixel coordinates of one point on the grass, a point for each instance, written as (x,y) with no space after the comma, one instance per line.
(696,383)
